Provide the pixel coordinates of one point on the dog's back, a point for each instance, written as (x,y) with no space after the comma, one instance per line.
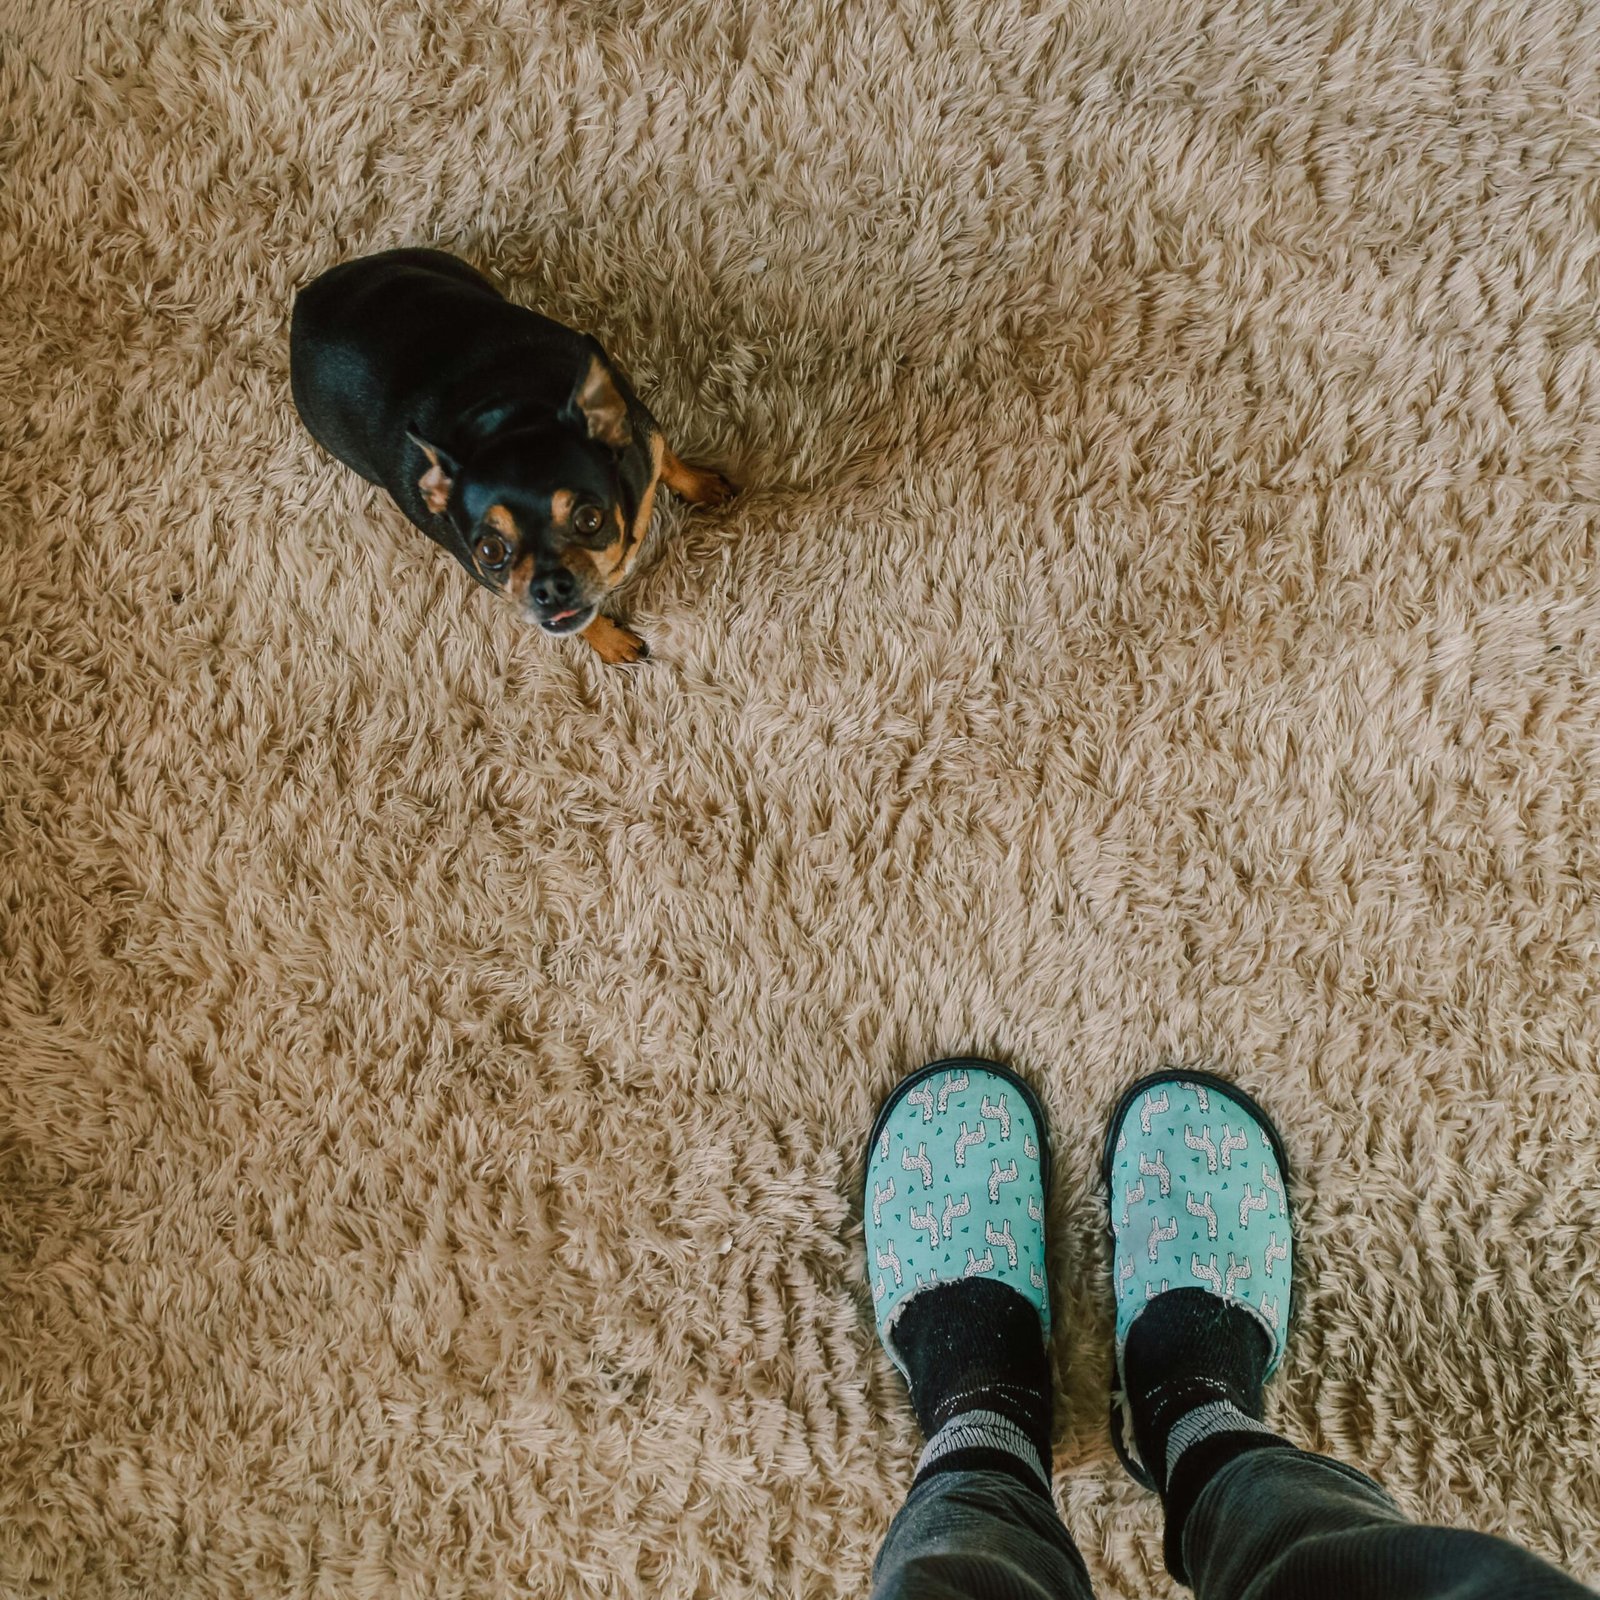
(371,336)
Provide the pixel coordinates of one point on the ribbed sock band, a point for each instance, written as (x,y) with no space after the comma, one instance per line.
(983,1430)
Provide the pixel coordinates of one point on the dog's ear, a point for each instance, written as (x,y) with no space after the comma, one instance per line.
(437,482)
(598,404)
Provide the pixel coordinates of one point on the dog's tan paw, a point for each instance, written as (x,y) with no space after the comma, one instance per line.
(615,645)
(700,486)
(713,489)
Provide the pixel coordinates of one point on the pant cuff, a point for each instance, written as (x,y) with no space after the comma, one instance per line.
(1195,1469)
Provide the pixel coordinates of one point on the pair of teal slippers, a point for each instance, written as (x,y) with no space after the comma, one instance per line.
(958,1177)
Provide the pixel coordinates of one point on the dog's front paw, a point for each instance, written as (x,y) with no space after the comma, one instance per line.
(714,489)
(700,486)
(615,645)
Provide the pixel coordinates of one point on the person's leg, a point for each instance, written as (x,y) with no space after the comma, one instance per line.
(978,1535)
(1202,1258)
(957,1174)
(1285,1525)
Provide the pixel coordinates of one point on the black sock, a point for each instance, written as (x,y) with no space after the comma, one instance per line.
(1188,1350)
(1196,1365)
(977,1346)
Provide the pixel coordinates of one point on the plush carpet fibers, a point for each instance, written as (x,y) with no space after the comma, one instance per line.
(1160,626)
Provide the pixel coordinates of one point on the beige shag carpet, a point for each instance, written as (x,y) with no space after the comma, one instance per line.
(1160,626)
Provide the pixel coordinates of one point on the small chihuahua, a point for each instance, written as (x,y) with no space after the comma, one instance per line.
(507,438)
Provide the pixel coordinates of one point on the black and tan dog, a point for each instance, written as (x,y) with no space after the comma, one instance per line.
(507,438)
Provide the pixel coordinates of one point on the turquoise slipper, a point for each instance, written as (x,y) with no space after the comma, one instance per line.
(958,1172)
(1198,1189)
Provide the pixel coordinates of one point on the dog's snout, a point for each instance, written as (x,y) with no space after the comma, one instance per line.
(554,588)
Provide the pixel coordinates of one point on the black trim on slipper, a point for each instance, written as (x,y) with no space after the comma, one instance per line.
(1206,1080)
(1119,1424)
(894,1100)
(952,1064)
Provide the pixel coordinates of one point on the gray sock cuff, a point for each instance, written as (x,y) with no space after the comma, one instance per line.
(984,1430)
(1220,1416)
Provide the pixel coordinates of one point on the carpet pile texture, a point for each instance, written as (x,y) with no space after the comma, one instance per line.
(1160,626)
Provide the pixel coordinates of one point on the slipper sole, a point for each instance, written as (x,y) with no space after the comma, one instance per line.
(1198,1197)
(957,1176)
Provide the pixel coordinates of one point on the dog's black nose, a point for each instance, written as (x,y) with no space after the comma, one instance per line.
(552,589)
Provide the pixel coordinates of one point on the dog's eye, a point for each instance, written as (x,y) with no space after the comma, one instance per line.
(588,520)
(492,550)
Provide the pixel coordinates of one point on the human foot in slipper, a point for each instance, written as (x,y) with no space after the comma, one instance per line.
(1197,1184)
(958,1172)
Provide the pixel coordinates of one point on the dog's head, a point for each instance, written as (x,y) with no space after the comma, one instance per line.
(540,507)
